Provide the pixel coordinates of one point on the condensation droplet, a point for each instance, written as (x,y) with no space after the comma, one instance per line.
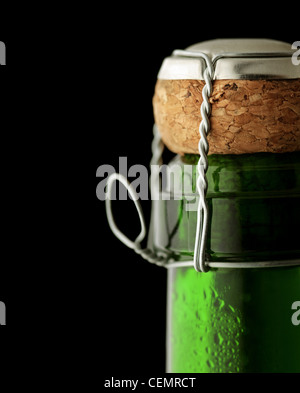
(219,304)
(210,363)
(215,293)
(218,339)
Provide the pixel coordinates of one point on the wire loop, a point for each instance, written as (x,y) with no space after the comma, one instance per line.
(157,149)
(146,253)
(111,221)
(199,262)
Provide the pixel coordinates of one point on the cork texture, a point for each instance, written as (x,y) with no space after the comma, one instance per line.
(247,116)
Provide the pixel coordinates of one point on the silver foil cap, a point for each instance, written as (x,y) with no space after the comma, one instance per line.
(233,59)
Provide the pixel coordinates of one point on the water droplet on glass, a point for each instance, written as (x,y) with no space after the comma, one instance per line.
(219,304)
(210,363)
(214,293)
(218,339)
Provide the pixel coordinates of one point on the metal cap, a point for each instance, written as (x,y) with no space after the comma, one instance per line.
(233,59)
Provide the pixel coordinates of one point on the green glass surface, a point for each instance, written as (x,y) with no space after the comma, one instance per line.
(254,208)
(233,320)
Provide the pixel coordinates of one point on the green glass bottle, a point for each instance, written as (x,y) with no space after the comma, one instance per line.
(233,319)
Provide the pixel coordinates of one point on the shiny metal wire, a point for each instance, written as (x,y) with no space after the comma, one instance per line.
(146,253)
(199,262)
(238,265)
(202,214)
(163,260)
(203,147)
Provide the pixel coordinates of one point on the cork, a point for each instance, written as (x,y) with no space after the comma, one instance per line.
(248,116)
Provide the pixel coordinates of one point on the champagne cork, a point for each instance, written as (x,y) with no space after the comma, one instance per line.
(247,116)
(251,112)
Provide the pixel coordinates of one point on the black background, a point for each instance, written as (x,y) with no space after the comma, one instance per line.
(5,228)
(132,293)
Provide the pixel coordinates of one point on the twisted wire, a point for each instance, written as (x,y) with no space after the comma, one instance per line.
(157,150)
(202,218)
(202,166)
(150,256)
